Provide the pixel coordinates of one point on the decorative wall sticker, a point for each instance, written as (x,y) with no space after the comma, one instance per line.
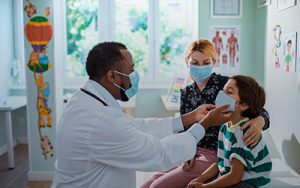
(289,45)
(39,31)
(47,11)
(276,35)
(30,9)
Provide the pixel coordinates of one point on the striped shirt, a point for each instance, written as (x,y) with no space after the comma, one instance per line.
(256,159)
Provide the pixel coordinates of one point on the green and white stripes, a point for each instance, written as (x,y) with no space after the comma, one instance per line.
(256,159)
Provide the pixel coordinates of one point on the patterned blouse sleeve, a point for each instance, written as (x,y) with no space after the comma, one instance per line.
(266,117)
(183,101)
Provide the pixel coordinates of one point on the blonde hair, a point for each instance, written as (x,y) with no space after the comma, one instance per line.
(203,46)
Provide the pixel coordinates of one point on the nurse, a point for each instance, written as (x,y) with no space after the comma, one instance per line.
(100,146)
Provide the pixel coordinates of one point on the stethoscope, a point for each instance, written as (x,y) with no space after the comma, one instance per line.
(94,96)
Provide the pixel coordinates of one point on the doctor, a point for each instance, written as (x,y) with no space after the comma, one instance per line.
(100,146)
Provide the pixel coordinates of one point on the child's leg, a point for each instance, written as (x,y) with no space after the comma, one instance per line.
(177,178)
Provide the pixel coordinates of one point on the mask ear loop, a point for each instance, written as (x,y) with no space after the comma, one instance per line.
(122,73)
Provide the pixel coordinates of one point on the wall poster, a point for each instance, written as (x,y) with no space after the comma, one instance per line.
(226,40)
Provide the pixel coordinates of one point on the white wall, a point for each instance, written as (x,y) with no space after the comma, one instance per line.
(283,98)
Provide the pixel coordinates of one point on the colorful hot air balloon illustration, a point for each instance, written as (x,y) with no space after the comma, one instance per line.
(38,31)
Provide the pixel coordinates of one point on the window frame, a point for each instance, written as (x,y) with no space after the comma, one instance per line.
(106,19)
(19,52)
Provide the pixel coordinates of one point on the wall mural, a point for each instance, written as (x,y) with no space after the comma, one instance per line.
(39,31)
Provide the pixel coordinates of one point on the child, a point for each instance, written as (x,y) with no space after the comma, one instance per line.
(239,165)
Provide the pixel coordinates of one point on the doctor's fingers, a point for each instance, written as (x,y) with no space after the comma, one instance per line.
(188,166)
(220,115)
(205,108)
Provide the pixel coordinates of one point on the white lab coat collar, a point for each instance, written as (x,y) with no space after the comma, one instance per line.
(102,93)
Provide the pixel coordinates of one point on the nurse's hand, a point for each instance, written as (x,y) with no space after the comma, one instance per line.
(254,128)
(216,116)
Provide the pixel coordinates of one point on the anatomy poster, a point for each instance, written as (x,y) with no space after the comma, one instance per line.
(226,40)
(289,57)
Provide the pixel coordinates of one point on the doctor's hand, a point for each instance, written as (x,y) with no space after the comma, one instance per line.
(216,116)
(202,111)
(188,165)
(196,115)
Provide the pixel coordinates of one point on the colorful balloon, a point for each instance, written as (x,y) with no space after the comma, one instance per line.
(38,31)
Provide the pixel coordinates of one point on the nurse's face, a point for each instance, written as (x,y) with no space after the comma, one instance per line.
(199,59)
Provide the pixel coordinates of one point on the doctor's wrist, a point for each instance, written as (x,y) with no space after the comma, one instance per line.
(189,119)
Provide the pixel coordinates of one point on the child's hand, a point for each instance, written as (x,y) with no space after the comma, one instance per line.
(188,165)
(195,184)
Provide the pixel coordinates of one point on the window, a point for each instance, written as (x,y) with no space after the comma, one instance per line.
(81,33)
(17,64)
(150,29)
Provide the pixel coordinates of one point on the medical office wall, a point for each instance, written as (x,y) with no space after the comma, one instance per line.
(251,24)
(283,96)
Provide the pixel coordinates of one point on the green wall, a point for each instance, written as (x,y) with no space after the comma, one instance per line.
(252,21)
(260,43)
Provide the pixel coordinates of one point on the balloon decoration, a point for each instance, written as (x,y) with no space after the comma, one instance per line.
(39,31)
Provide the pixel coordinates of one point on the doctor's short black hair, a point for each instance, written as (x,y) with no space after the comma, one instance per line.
(103,57)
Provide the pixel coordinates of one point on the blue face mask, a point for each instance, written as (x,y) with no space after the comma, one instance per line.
(134,82)
(223,98)
(200,73)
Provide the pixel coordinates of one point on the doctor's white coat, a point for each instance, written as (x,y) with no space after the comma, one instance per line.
(100,146)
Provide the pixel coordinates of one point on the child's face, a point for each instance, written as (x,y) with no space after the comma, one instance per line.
(231,90)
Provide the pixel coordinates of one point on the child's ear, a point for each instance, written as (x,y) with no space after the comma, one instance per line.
(243,106)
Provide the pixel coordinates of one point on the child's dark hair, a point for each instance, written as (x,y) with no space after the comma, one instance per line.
(251,93)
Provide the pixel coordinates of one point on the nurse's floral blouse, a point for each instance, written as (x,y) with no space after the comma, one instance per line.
(192,97)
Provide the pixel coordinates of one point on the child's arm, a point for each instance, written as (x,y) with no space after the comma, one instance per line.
(209,173)
(231,178)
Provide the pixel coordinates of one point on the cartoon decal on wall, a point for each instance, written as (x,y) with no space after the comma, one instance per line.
(277,44)
(289,56)
(39,31)
(30,9)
